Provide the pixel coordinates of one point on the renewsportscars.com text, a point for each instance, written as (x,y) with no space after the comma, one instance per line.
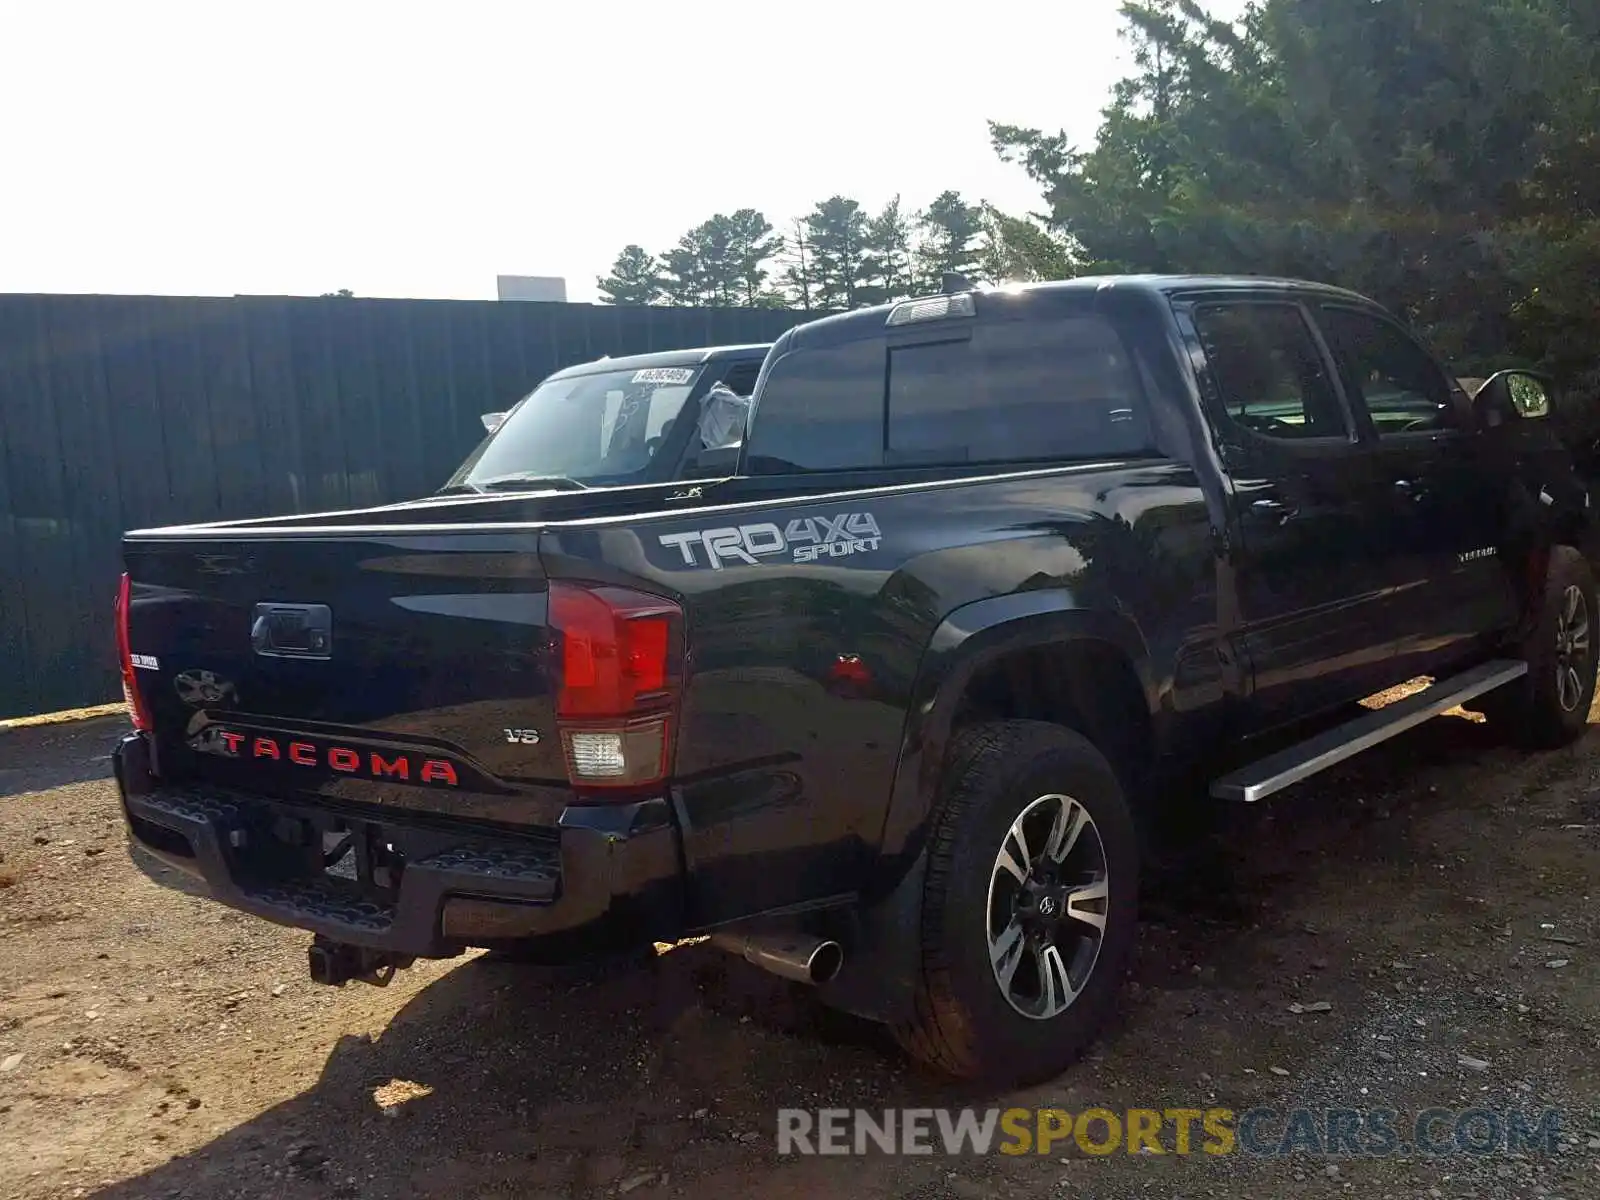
(1263,1132)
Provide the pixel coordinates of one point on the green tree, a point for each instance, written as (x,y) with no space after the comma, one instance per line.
(889,244)
(722,262)
(841,260)
(635,278)
(753,246)
(1435,154)
(701,269)
(685,281)
(951,236)
(1021,249)
(798,267)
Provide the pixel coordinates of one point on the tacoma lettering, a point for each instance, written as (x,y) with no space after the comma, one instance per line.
(346,760)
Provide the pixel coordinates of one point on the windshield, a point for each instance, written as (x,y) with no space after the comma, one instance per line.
(603,428)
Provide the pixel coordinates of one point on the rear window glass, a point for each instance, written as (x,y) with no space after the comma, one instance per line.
(820,410)
(1018,390)
(994,392)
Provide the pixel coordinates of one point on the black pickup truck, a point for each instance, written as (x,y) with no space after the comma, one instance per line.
(885,706)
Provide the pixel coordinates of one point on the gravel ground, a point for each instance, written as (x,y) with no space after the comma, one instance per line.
(155,1045)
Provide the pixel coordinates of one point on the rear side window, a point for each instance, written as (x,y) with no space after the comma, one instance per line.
(1016,391)
(1268,371)
(820,410)
(741,377)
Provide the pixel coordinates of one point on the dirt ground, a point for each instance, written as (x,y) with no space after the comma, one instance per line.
(155,1045)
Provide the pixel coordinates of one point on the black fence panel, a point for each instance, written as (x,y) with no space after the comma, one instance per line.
(122,412)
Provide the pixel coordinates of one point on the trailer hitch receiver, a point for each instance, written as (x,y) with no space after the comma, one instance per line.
(337,963)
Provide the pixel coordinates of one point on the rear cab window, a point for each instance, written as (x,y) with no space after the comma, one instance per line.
(819,410)
(1028,380)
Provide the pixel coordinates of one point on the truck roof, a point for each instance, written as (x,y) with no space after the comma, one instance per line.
(847,326)
(1168,284)
(666,358)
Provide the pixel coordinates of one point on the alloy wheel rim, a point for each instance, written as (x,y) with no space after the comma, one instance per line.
(1049,894)
(1572,647)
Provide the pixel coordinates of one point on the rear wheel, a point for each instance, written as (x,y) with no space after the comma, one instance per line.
(1549,706)
(1029,906)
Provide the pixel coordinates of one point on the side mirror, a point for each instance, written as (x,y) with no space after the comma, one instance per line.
(1512,396)
(1530,395)
(493,421)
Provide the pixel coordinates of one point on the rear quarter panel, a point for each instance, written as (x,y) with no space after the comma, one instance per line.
(803,691)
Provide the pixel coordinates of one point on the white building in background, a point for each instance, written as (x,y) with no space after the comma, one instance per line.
(531,287)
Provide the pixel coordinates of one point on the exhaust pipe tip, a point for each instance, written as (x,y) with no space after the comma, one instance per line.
(826,959)
(798,957)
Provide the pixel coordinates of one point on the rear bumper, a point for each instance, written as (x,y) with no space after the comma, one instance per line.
(608,877)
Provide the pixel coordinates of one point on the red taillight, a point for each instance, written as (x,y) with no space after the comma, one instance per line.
(130,682)
(618,658)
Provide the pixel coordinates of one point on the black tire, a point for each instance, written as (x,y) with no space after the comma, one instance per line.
(962,1023)
(1535,711)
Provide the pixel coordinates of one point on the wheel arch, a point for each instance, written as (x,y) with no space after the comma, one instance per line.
(968,658)
(886,928)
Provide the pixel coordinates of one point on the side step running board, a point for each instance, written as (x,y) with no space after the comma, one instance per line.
(1278,771)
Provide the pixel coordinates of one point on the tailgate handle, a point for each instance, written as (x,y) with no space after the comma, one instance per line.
(292,631)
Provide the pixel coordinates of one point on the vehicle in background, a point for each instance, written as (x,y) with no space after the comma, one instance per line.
(614,422)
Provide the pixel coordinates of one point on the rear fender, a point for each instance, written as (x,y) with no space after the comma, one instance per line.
(966,641)
(884,943)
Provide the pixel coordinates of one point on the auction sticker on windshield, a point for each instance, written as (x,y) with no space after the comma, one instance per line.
(664,375)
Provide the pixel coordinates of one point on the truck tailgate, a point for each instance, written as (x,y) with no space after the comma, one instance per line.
(403,669)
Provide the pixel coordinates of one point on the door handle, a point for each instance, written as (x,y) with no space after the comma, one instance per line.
(1272,509)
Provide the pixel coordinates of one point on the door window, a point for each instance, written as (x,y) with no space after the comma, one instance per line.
(1399,384)
(1268,373)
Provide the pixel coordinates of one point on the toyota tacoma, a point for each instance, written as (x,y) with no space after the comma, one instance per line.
(887,699)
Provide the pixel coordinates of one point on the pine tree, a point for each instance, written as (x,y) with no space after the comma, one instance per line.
(889,242)
(799,275)
(839,244)
(684,280)
(1437,155)
(635,278)
(700,269)
(752,247)
(721,262)
(1021,250)
(951,234)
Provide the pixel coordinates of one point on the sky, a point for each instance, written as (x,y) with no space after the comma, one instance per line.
(401,149)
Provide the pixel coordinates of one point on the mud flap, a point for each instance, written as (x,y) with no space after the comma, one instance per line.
(883,953)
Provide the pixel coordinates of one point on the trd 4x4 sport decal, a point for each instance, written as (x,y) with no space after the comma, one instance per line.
(805,539)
